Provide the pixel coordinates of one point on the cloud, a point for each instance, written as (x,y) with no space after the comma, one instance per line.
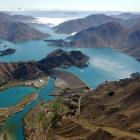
(102,5)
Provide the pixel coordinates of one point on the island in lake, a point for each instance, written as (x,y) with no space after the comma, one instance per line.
(7,52)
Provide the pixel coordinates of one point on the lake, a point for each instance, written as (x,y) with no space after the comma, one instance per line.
(104,65)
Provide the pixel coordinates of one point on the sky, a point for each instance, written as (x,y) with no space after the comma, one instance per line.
(95,5)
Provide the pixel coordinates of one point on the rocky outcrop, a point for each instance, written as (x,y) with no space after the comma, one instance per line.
(60,58)
(28,70)
(6,69)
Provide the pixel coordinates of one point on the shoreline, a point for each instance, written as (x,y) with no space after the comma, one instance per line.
(30,97)
(73,81)
(68,80)
(31,83)
(9,111)
(31,125)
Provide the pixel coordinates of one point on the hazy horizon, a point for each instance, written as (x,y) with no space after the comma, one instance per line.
(78,5)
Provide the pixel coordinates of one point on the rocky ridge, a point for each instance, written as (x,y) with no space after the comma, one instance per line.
(100,109)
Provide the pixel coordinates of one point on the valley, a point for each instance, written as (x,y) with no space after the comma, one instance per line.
(83,82)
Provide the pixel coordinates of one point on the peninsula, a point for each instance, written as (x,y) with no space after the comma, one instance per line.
(9,111)
(29,72)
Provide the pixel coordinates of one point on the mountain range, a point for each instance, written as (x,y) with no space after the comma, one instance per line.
(19,18)
(111,35)
(128,20)
(116,34)
(77,25)
(13,29)
(127,16)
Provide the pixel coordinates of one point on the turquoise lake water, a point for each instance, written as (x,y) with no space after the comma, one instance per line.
(104,65)
(9,97)
(14,125)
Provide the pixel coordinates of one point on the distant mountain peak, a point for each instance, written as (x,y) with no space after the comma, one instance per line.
(13,30)
(84,23)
